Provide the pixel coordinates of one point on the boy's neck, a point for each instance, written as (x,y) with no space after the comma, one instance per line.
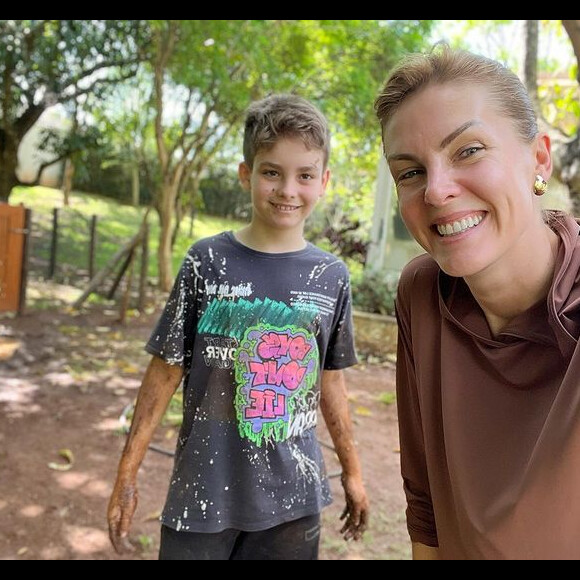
(271,241)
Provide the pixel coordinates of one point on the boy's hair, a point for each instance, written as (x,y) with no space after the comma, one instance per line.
(446,65)
(284,116)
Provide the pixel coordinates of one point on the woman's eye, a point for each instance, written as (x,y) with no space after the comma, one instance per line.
(470,151)
(409,174)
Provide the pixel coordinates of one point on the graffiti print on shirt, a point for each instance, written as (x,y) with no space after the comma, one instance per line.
(276,370)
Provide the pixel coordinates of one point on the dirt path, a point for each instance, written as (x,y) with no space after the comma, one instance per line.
(65,380)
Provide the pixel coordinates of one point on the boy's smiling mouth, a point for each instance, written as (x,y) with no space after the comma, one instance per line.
(285,208)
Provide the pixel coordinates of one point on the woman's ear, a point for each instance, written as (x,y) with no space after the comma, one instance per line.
(245,176)
(544,164)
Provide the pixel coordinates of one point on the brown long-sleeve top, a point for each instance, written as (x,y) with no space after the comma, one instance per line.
(490,427)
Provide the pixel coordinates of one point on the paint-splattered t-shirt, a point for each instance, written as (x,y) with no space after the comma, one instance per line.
(254,332)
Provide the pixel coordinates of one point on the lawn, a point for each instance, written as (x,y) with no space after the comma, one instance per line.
(116,224)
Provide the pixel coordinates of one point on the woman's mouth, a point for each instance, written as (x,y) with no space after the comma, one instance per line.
(460,226)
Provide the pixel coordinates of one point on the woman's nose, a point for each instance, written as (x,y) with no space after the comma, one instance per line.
(440,188)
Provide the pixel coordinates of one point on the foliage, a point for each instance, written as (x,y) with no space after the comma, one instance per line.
(45,62)
(209,70)
(375,291)
(223,196)
(333,227)
(557,66)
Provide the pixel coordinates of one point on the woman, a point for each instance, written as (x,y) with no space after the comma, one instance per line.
(488,370)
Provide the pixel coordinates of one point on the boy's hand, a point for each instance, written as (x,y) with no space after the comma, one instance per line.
(356,511)
(122,506)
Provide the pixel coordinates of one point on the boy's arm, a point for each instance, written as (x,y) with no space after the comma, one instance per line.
(336,413)
(159,384)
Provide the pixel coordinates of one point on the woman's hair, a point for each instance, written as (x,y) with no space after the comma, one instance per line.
(284,116)
(446,65)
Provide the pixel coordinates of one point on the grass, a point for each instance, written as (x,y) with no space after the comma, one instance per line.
(387,398)
(116,224)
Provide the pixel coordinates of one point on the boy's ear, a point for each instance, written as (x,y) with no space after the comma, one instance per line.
(325,180)
(244,175)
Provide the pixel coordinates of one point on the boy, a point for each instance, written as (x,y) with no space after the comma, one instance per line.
(258,328)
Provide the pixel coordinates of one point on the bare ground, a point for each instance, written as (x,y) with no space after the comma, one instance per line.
(66,378)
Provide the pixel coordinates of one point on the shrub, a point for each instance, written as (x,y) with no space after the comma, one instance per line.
(375,291)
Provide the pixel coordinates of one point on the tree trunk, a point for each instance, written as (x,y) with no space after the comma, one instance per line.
(67,181)
(532,33)
(570,172)
(164,253)
(572,28)
(8,165)
(570,155)
(179,215)
(135,184)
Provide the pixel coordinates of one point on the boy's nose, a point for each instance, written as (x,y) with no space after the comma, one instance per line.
(288,188)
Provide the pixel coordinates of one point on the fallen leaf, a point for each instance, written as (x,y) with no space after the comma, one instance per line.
(152,517)
(363,412)
(8,348)
(66,454)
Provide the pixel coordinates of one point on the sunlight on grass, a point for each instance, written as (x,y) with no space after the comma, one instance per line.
(117,223)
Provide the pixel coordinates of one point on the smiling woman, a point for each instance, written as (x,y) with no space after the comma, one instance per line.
(487,362)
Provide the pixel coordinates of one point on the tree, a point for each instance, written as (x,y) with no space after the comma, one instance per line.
(45,62)
(568,155)
(532,32)
(209,70)
(558,104)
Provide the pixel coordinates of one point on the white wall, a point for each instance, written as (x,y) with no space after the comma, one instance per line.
(30,157)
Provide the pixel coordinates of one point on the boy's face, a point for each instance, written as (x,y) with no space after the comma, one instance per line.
(286,183)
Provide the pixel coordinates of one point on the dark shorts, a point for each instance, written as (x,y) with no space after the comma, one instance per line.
(297,540)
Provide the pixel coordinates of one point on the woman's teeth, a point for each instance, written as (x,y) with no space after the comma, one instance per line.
(460,226)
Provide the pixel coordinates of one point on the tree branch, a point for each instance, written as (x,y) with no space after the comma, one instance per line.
(572,28)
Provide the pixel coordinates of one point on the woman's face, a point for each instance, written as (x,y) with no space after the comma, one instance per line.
(464,177)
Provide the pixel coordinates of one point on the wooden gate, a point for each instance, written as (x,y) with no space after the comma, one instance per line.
(14,229)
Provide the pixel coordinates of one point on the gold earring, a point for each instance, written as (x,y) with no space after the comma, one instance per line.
(540,186)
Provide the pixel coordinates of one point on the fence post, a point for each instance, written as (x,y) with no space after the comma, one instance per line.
(53,244)
(25,259)
(92,247)
(142,303)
